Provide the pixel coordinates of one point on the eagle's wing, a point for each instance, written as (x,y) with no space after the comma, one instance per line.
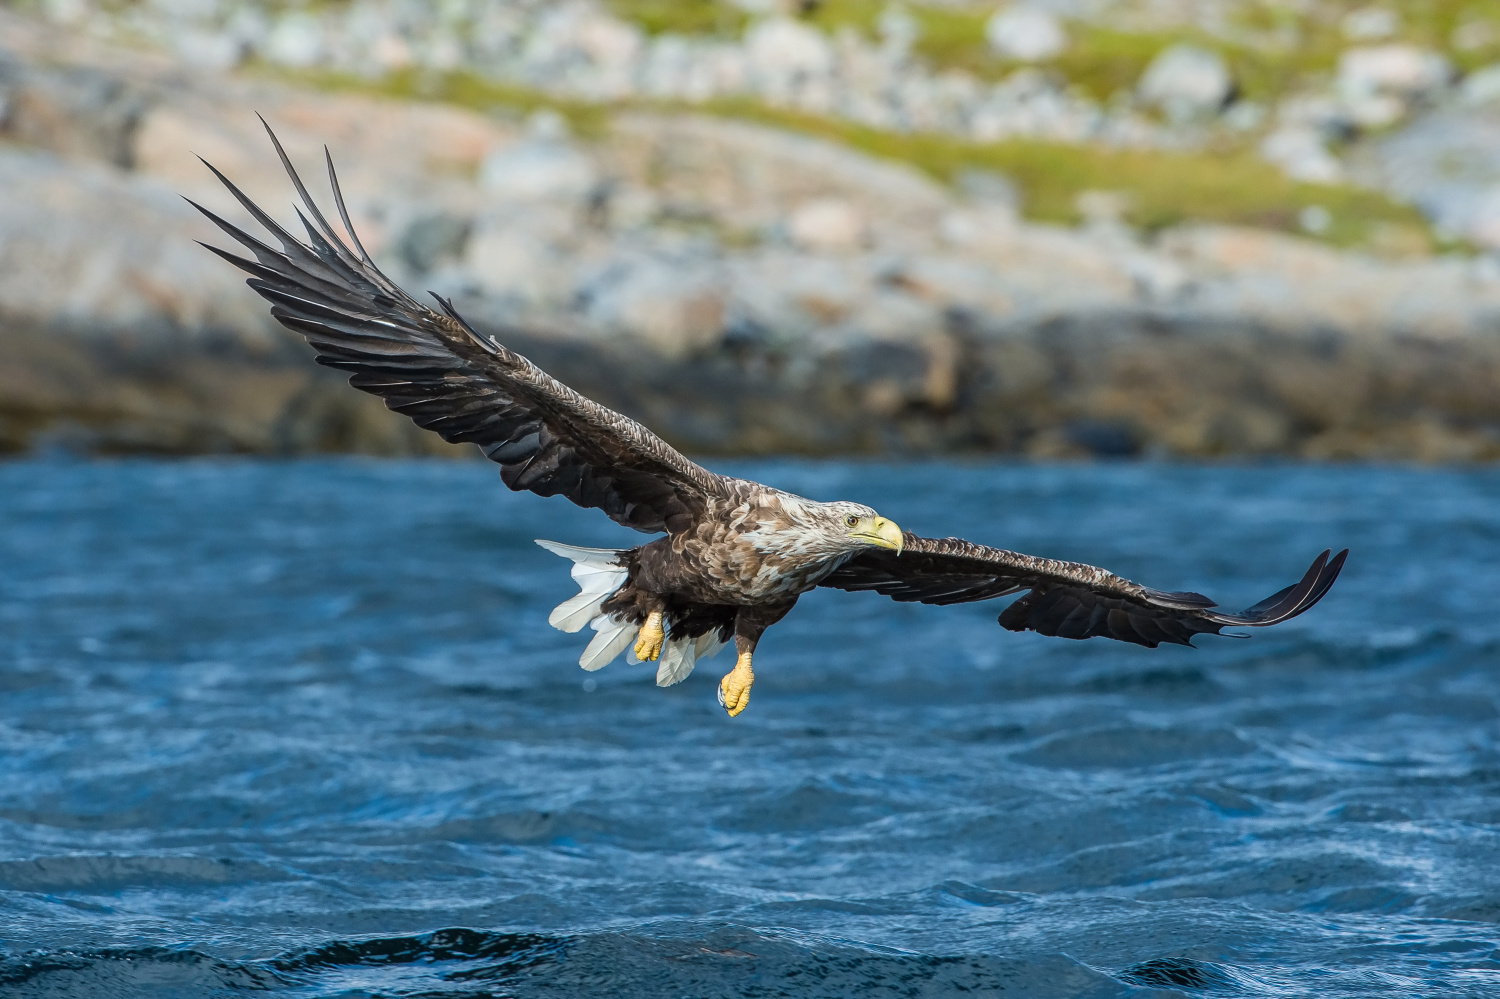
(466,387)
(1066,599)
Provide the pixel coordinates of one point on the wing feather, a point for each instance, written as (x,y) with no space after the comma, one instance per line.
(1068,599)
(436,369)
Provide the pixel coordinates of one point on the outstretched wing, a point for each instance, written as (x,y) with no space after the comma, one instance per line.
(466,387)
(1066,599)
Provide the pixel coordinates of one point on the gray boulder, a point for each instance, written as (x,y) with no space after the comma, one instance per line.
(1401,70)
(1447,163)
(1026,33)
(673,303)
(1186,82)
(1301,154)
(544,166)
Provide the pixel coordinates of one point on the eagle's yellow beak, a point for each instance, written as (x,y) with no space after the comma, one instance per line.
(879,532)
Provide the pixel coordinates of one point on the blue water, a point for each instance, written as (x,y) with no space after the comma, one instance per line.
(301,729)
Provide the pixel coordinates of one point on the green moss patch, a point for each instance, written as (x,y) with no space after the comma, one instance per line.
(462,88)
(1159,188)
(681,17)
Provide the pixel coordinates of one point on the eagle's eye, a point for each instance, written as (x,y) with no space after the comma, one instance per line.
(852,520)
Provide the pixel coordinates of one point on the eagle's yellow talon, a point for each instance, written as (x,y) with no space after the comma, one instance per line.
(734,689)
(648,644)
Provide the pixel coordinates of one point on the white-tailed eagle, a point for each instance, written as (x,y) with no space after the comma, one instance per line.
(735,555)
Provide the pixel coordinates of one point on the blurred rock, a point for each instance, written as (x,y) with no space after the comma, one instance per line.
(898,30)
(521,265)
(786,59)
(674,306)
(86,248)
(77,111)
(1301,154)
(741,288)
(1482,86)
(543,166)
(589,52)
(1026,33)
(1474,33)
(208,49)
(296,40)
(1245,116)
(1186,81)
(1448,163)
(1370,23)
(580,49)
(1401,70)
(430,241)
(828,225)
(1378,85)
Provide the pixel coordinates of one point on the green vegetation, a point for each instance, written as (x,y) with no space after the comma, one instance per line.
(1272,48)
(462,88)
(682,17)
(1160,188)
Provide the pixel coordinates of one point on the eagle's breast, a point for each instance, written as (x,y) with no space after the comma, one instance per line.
(752,550)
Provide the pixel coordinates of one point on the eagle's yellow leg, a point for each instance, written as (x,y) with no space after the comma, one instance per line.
(649,642)
(734,689)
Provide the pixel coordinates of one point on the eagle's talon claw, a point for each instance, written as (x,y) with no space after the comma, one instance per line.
(734,689)
(649,643)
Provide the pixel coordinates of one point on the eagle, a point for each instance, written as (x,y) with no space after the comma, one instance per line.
(733,555)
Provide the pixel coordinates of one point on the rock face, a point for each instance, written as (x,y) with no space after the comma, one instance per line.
(741,289)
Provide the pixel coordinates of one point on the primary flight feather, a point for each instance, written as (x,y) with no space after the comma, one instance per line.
(735,554)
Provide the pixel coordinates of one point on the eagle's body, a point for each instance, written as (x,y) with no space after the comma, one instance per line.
(735,555)
(767,547)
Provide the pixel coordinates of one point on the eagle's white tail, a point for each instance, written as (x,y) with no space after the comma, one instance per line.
(613,638)
(598,574)
(682,654)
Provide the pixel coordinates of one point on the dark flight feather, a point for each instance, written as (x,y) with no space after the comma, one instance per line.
(1067,599)
(436,369)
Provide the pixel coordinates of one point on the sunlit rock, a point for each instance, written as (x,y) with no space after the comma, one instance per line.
(1400,70)
(1481,86)
(676,305)
(1026,33)
(542,166)
(1186,81)
(786,58)
(1370,24)
(1301,155)
(828,225)
(296,40)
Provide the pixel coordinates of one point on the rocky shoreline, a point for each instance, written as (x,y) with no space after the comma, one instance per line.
(1075,390)
(743,289)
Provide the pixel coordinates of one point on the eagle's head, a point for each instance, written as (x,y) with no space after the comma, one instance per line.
(819,533)
(851,527)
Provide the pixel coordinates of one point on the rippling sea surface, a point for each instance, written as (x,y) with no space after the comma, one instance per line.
(301,729)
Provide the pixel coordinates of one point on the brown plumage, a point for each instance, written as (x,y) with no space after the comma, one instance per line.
(735,554)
